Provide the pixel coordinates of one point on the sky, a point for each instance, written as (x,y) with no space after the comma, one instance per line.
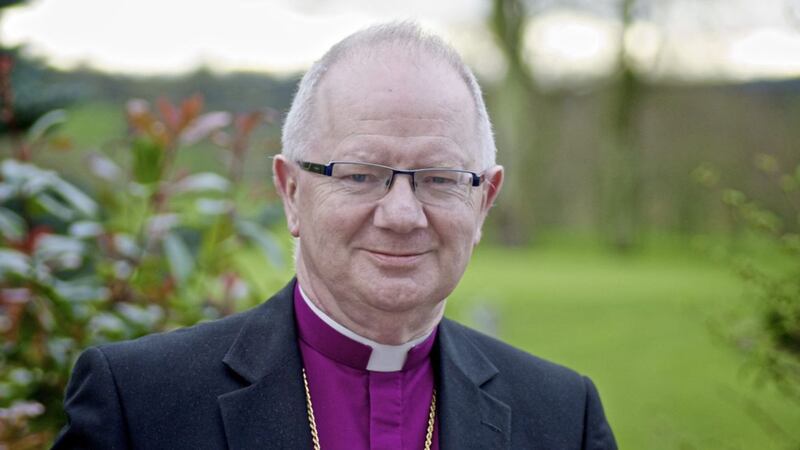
(734,39)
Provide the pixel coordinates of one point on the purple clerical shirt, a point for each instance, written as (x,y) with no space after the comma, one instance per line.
(356,408)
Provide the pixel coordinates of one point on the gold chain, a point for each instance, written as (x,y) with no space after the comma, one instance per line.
(431,418)
(313,423)
(310,410)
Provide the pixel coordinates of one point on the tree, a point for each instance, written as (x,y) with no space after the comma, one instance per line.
(521,122)
(621,211)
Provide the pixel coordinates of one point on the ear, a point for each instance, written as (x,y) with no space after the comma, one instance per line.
(492,182)
(284,176)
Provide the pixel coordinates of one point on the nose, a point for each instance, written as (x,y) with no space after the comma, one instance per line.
(399,210)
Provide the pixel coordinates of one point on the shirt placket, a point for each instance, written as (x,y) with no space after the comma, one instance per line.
(386,410)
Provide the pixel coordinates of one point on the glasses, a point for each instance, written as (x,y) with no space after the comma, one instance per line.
(370,182)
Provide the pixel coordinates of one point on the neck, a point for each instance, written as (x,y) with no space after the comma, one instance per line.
(383,327)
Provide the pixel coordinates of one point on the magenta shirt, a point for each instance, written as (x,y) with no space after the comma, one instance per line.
(358,409)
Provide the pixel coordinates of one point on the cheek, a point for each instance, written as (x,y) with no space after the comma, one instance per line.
(329,222)
(457,233)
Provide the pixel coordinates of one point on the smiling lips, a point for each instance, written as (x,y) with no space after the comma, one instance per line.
(396,259)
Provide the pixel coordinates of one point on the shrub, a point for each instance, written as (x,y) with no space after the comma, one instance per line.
(153,247)
(769,334)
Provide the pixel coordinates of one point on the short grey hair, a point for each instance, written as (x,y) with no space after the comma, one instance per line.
(298,132)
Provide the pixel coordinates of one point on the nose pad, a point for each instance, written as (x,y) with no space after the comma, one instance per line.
(412,180)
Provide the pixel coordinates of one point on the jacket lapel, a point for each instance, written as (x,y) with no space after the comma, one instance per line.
(270,410)
(470,418)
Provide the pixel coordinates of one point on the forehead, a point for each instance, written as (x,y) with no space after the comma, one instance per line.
(396,103)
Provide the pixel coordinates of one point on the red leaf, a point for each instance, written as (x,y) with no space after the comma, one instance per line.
(169,114)
(246,123)
(190,109)
(29,242)
(204,125)
(139,117)
(12,303)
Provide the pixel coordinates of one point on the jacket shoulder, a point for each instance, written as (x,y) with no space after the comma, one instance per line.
(551,405)
(198,342)
(199,346)
(511,360)
(131,387)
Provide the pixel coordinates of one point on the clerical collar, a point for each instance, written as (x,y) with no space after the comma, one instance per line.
(378,357)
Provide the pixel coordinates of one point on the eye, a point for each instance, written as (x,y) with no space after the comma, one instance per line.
(440,180)
(361,178)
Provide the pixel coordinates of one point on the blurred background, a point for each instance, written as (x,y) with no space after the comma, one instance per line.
(648,234)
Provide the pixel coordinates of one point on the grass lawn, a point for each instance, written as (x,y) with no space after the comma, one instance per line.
(638,326)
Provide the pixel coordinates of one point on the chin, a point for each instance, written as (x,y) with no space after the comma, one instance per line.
(403,293)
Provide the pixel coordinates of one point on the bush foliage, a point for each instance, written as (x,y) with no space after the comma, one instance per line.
(152,246)
(769,334)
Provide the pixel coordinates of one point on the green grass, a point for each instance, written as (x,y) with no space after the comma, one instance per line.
(91,125)
(638,326)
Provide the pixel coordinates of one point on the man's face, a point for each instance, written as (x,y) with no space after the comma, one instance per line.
(394,254)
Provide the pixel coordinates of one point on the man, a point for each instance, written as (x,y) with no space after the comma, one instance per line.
(386,176)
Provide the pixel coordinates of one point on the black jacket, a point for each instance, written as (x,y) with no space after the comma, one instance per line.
(236,383)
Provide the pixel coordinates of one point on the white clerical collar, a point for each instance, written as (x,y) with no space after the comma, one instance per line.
(384,358)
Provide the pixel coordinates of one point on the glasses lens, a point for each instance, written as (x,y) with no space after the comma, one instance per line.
(442,186)
(361,179)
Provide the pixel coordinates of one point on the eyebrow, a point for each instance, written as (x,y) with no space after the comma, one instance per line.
(426,163)
(433,157)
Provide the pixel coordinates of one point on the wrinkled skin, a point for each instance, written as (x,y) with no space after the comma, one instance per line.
(383,269)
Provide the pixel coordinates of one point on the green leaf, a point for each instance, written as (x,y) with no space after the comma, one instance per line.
(28,178)
(109,326)
(12,261)
(766,163)
(180,259)
(204,181)
(127,246)
(61,252)
(85,229)
(264,239)
(706,175)
(213,207)
(35,182)
(7,191)
(22,377)
(55,207)
(103,167)
(46,123)
(82,290)
(160,224)
(142,317)
(12,226)
(733,197)
(75,197)
(148,159)
(61,349)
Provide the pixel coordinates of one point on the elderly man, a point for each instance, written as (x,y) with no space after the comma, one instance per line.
(387,174)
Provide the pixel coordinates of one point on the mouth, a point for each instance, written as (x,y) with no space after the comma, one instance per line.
(396,259)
